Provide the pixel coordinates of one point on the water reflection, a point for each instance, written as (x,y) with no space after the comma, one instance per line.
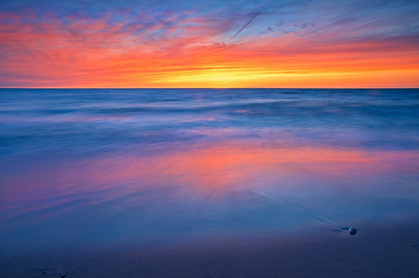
(204,187)
(157,170)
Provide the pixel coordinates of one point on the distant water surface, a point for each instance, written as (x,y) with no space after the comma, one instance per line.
(155,166)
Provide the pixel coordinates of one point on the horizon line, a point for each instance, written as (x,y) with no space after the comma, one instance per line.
(209,88)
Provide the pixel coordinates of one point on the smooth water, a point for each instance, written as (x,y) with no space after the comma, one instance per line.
(161,165)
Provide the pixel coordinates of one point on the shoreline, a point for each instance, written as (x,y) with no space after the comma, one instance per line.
(378,250)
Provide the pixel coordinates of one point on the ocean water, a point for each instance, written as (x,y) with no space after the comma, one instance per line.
(156,166)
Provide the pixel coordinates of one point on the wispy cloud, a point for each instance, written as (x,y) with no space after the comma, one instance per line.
(137,44)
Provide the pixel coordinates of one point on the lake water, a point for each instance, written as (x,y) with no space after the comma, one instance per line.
(159,166)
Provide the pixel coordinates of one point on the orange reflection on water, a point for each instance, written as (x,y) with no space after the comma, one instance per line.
(211,171)
(233,167)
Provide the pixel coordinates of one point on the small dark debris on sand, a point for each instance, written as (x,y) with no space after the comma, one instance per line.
(352,231)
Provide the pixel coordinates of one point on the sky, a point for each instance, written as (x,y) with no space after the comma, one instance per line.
(209,44)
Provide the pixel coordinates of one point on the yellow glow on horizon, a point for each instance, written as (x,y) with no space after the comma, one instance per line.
(99,54)
(245,78)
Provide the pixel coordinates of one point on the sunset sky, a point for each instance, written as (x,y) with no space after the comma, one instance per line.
(167,43)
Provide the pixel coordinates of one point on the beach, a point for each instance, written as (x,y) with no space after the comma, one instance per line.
(209,183)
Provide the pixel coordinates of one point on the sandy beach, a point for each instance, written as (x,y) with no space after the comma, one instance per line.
(375,251)
(209,183)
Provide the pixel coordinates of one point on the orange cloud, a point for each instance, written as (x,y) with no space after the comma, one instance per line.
(191,53)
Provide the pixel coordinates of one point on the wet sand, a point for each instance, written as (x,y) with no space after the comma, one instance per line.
(377,250)
(209,183)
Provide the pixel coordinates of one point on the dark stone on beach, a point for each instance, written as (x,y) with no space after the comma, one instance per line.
(352,231)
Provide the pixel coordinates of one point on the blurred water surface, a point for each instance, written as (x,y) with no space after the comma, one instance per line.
(146,165)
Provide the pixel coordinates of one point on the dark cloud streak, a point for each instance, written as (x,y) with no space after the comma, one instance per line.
(241,29)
